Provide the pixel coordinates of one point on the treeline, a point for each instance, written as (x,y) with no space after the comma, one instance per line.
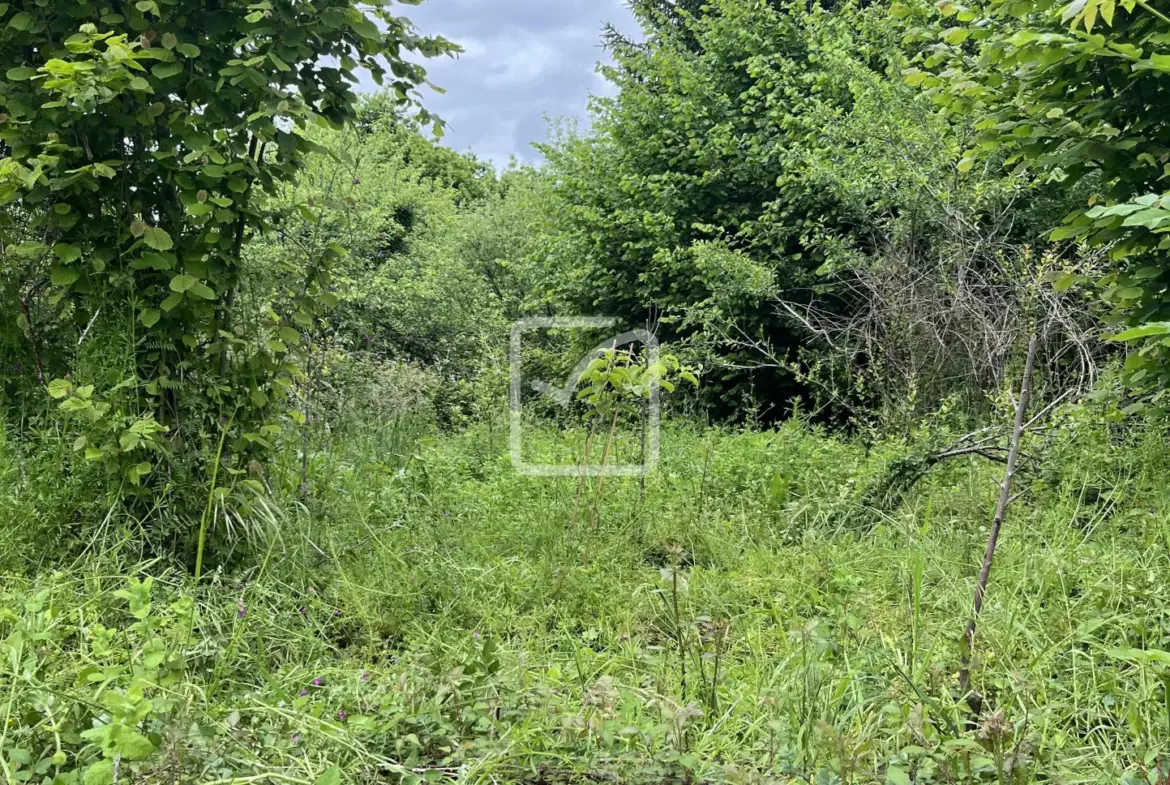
(860,209)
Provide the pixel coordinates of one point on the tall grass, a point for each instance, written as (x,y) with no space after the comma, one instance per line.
(724,626)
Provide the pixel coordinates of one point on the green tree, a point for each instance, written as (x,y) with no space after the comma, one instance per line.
(137,139)
(727,170)
(1078,94)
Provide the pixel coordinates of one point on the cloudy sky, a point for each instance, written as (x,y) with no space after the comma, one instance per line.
(522,60)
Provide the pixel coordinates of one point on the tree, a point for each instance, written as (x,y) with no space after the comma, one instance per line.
(137,140)
(711,181)
(1078,94)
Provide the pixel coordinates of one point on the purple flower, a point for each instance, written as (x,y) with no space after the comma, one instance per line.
(223,420)
(303,612)
(296,738)
(357,181)
(336,613)
(341,715)
(317,682)
(242,611)
(365,677)
(475,635)
(304,489)
(303,693)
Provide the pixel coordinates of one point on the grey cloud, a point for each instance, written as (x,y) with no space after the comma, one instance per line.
(523,60)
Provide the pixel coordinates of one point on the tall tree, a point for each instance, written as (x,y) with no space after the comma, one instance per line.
(703,187)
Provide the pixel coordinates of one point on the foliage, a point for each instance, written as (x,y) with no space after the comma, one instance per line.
(1077,93)
(137,144)
(764,144)
(448,628)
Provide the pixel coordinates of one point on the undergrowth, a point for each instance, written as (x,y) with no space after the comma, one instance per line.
(421,613)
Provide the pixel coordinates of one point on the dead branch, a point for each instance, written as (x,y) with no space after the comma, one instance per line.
(974,700)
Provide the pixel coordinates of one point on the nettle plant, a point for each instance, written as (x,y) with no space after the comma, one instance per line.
(138,140)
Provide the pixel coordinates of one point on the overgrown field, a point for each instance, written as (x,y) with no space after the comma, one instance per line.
(423,613)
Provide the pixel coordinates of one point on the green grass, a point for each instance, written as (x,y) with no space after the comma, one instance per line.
(505,639)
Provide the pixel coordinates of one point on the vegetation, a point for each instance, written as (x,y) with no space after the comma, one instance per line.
(890,285)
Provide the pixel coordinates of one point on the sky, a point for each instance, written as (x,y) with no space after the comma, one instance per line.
(523,60)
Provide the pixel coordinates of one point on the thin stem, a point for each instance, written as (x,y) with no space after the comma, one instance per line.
(601,477)
(210,501)
(1154,11)
(1005,500)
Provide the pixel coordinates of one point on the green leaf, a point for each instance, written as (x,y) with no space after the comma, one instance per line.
(203,291)
(896,776)
(158,239)
(171,302)
(1140,656)
(167,70)
(21,74)
(181,283)
(956,35)
(22,22)
(135,746)
(67,253)
(366,29)
(100,773)
(331,776)
(1065,232)
(1128,293)
(1144,331)
(188,50)
(63,276)
(59,388)
(150,317)
(1160,63)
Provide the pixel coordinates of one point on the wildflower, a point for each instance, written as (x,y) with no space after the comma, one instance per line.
(475,635)
(223,420)
(317,682)
(303,693)
(242,611)
(341,715)
(304,489)
(336,613)
(365,677)
(296,738)
(302,611)
(357,181)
